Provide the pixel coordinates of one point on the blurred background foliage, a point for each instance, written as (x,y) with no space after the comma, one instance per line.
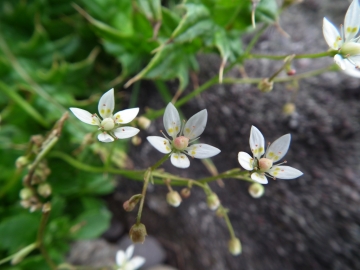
(56,54)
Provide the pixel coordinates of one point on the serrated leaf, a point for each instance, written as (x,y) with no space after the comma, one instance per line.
(195,13)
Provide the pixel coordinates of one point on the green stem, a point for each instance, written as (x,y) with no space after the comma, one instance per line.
(143,193)
(40,237)
(255,39)
(202,88)
(283,79)
(147,176)
(298,56)
(161,161)
(227,221)
(135,175)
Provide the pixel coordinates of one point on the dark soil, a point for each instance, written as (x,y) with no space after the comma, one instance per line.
(309,223)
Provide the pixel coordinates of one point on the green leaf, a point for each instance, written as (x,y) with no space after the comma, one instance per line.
(14,235)
(195,13)
(171,61)
(91,224)
(151,9)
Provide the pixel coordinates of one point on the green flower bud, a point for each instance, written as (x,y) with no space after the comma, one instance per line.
(136,140)
(213,201)
(44,190)
(130,204)
(185,193)
(256,190)
(144,122)
(289,108)
(235,246)
(26,193)
(138,233)
(173,198)
(265,85)
(21,162)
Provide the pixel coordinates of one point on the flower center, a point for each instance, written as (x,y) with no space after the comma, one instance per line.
(350,48)
(265,164)
(107,124)
(180,143)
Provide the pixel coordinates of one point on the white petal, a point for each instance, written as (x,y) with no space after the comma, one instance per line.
(160,143)
(85,116)
(257,142)
(126,116)
(171,120)
(246,161)
(136,262)
(180,160)
(340,61)
(120,258)
(350,69)
(125,132)
(279,148)
(284,172)
(104,137)
(331,35)
(352,20)
(202,150)
(260,178)
(106,104)
(195,126)
(129,252)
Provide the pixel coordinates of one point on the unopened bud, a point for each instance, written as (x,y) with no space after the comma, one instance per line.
(289,108)
(46,207)
(173,198)
(291,72)
(136,140)
(144,122)
(213,201)
(235,246)
(265,164)
(138,233)
(44,190)
(21,162)
(185,193)
(130,204)
(265,85)
(26,193)
(256,190)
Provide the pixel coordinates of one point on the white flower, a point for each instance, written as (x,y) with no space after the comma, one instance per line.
(124,261)
(264,165)
(179,145)
(110,125)
(345,42)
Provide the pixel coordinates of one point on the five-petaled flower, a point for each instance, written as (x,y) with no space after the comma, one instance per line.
(110,125)
(345,42)
(125,262)
(180,145)
(262,166)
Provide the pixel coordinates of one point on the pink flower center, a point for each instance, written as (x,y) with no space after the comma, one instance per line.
(180,143)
